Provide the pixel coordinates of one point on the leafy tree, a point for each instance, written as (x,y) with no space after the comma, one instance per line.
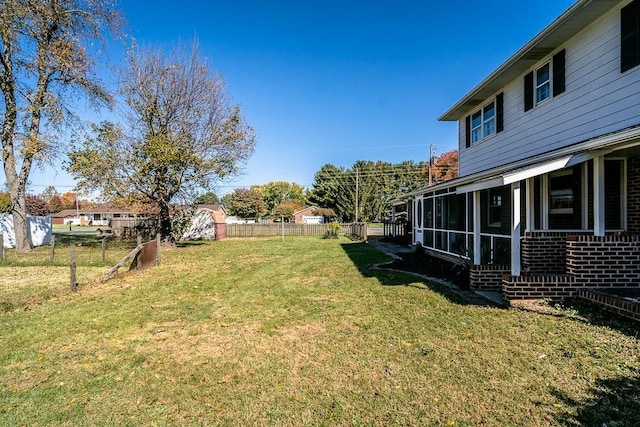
(246,203)
(5,202)
(286,209)
(277,192)
(55,204)
(48,193)
(208,198)
(445,166)
(69,200)
(325,186)
(36,205)
(47,49)
(182,133)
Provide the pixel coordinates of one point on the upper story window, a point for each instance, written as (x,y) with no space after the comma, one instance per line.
(630,36)
(485,122)
(545,82)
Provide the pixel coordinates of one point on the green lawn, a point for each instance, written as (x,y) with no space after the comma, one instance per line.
(261,332)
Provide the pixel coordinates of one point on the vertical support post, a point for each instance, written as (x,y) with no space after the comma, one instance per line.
(158,246)
(598,196)
(52,248)
(73,283)
(139,240)
(585,198)
(2,245)
(357,196)
(515,229)
(544,202)
(530,204)
(476,228)
(282,220)
(104,249)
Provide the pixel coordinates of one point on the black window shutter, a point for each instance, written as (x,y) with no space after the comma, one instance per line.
(528,91)
(500,112)
(558,73)
(630,36)
(467,134)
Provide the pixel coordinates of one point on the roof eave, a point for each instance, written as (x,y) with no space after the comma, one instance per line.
(567,25)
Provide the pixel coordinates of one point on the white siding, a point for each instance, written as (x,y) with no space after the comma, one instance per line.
(598,100)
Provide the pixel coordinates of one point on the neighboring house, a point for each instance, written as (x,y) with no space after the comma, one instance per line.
(549,187)
(96,216)
(306,216)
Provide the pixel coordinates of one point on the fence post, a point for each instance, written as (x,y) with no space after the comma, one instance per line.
(158,245)
(73,284)
(53,247)
(104,249)
(2,245)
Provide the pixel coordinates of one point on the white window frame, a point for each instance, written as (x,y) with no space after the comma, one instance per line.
(547,82)
(481,127)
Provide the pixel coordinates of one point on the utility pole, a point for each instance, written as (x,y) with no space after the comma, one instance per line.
(357,183)
(431,148)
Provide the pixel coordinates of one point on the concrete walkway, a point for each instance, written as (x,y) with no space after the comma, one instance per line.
(481,298)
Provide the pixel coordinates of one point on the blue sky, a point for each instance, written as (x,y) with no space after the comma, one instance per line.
(338,81)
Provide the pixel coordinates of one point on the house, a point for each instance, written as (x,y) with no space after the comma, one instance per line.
(96,216)
(307,216)
(548,199)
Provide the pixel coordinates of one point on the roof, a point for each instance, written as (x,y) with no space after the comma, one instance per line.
(567,25)
(625,139)
(215,207)
(73,212)
(305,209)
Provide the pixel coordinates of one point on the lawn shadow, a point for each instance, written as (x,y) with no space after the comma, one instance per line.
(368,259)
(614,402)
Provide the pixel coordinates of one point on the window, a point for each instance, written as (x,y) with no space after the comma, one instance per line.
(543,83)
(546,81)
(630,36)
(483,123)
(561,192)
(495,208)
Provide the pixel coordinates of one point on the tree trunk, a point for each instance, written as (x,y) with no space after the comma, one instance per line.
(20,225)
(164,221)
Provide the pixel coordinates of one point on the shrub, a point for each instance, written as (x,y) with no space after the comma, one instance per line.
(333,231)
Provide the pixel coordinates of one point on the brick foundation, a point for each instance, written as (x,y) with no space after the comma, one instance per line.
(612,303)
(538,287)
(487,277)
(606,261)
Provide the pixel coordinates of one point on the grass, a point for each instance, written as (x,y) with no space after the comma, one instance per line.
(261,332)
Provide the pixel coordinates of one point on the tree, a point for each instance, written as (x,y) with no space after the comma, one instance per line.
(208,198)
(445,166)
(36,205)
(5,202)
(276,192)
(325,186)
(246,203)
(48,193)
(182,133)
(47,49)
(69,200)
(55,204)
(286,209)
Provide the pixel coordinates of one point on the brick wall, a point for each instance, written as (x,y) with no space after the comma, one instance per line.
(605,261)
(612,303)
(487,277)
(544,252)
(633,195)
(537,287)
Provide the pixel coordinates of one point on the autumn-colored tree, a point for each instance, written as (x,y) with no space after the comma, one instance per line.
(182,133)
(445,166)
(286,209)
(55,204)
(69,200)
(47,52)
(36,205)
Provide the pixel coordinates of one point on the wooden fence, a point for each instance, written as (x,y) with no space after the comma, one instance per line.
(358,230)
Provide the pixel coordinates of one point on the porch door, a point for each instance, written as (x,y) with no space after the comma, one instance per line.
(418,233)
